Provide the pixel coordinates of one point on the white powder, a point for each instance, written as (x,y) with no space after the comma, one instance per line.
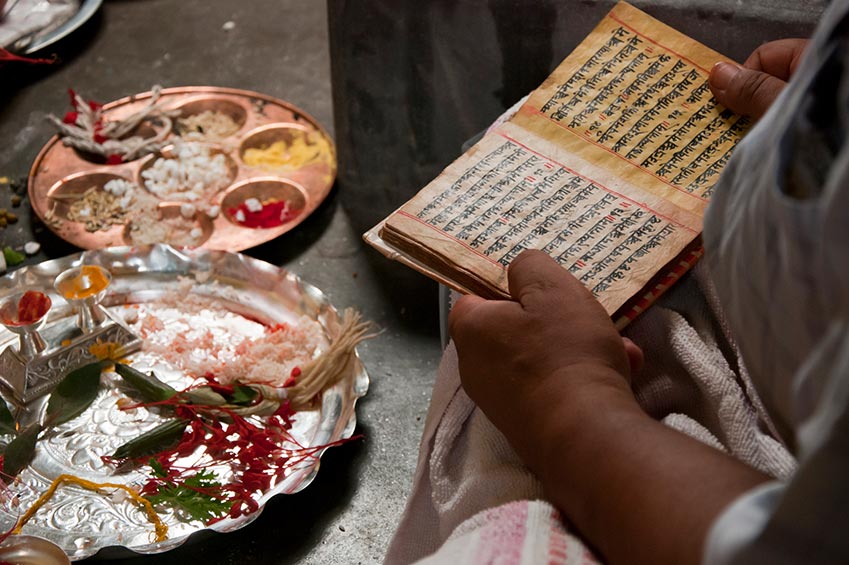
(198,336)
(191,175)
(253,205)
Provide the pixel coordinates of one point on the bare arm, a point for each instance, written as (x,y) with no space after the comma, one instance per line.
(549,369)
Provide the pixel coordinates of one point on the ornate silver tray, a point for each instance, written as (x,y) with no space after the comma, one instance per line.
(83,522)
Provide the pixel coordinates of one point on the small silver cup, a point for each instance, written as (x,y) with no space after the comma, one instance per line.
(27,326)
(84,287)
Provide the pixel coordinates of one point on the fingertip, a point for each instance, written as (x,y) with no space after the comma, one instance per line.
(529,256)
(721,76)
(465,304)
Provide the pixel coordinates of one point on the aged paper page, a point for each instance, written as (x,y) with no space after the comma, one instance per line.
(607,167)
(634,98)
(514,191)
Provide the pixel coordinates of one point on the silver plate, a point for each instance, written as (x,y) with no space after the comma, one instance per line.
(82,522)
(38,40)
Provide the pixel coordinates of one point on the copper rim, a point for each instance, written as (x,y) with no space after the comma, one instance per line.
(57,165)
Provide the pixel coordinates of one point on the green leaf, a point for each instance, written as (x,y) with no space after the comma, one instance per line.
(243,395)
(13,257)
(7,422)
(195,497)
(20,451)
(150,388)
(151,442)
(74,394)
(158,469)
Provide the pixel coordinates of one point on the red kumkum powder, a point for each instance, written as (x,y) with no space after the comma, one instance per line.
(273,213)
(32,306)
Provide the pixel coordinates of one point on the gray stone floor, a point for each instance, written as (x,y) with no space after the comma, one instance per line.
(278,48)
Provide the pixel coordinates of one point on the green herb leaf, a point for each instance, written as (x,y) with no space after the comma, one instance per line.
(243,395)
(151,442)
(13,257)
(7,422)
(74,394)
(149,388)
(158,469)
(195,497)
(20,450)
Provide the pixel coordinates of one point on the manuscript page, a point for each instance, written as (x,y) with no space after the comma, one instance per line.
(633,98)
(607,168)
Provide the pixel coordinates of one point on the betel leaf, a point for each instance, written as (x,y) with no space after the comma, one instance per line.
(153,441)
(74,393)
(7,421)
(243,395)
(149,388)
(20,450)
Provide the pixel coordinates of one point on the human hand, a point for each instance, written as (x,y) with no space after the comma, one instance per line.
(551,351)
(750,89)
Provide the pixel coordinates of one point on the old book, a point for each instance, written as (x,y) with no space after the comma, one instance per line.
(607,167)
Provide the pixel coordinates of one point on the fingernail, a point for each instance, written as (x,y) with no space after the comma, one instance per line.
(722,73)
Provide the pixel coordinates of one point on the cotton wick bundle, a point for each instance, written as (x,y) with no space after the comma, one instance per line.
(91,134)
(328,368)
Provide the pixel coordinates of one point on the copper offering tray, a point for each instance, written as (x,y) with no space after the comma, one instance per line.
(60,171)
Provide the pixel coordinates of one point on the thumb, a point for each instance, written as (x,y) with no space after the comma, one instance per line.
(745,91)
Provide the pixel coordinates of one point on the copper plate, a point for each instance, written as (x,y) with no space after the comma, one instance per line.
(59,169)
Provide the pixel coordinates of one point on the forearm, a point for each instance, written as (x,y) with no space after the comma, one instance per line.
(639,491)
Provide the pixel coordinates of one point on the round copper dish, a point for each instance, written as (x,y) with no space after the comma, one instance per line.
(59,170)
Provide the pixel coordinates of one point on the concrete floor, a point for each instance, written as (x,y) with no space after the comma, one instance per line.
(410,82)
(280,48)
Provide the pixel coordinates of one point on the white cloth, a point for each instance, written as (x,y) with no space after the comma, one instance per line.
(777,238)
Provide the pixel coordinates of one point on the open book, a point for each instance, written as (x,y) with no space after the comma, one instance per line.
(607,167)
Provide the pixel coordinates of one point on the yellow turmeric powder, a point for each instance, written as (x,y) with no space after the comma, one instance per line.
(90,280)
(303,150)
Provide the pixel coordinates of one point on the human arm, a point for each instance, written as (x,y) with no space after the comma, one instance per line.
(751,88)
(550,371)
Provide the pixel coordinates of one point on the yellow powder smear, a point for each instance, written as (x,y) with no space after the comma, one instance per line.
(91,280)
(160,528)
(106,350)
(302,151)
